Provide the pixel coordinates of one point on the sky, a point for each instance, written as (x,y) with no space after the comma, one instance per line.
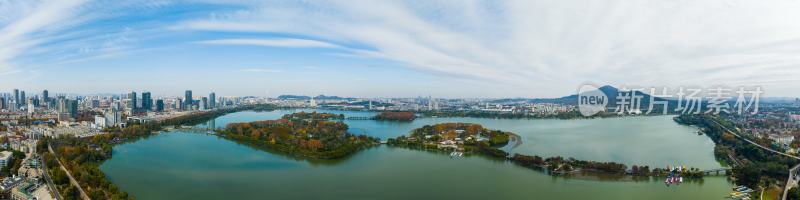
(376,48)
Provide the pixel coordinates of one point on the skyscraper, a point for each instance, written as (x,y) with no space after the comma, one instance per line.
(35,101)
(22,99)
(114,117)
(72,108)
(62,106)
(147,102)
(132,97)
(16,97)
(159,105)
(212,101)
(45,96)
(204,103)
(187,100)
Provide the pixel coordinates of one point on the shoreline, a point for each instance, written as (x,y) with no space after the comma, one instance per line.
(512,137)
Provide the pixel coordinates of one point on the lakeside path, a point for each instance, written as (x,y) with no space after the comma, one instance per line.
(514,138)
(69,175)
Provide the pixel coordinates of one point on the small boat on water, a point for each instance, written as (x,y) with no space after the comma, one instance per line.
(674,176)
(741,193)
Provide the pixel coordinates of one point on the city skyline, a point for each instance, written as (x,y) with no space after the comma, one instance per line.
(345,48)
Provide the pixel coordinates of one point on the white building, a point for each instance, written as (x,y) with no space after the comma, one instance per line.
(100,122)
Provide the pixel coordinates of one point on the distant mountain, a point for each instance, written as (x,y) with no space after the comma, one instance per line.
(610,92)
(319,97)
(293,97)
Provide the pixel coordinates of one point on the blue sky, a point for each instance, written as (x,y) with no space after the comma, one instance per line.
(379,48)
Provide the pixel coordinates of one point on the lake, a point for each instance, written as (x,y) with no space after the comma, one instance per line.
(179,165)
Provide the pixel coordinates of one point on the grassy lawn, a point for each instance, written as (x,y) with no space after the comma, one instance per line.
(773,193)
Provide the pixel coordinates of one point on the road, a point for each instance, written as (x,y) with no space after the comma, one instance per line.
(791,182)
(49,181)
(69,175)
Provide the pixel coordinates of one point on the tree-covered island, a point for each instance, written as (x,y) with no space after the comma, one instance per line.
(461,137)
(306,135)
(396,116)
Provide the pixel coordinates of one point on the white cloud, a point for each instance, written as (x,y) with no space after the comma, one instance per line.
(538,47)
(29,23)
(533,44)
(260,70)
(281,42)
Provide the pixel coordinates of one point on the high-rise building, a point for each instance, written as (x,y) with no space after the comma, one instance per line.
(95,103)
(61,106)
(22,99)
(114,117)
(31,108)
(159,105)
(132,97)
(2,103)
(45,96)
(35,101)
(204,103)
(67,108)
(147,102)
(72,108)
(187,100)
(16,97)
(212,101)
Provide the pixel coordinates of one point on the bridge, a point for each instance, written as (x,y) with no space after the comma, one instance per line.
(194,130)
(715,171)
(360,118)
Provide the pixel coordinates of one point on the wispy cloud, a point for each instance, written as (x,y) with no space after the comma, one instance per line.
(48,32)
(281,42)
(530,45)
(32,24)
(561,43)
(260,70)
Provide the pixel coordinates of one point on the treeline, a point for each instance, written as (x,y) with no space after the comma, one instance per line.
(305,135)
(558,164)
(510,115)
(313,116)
(395,116)
(83,156)
(752,165)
